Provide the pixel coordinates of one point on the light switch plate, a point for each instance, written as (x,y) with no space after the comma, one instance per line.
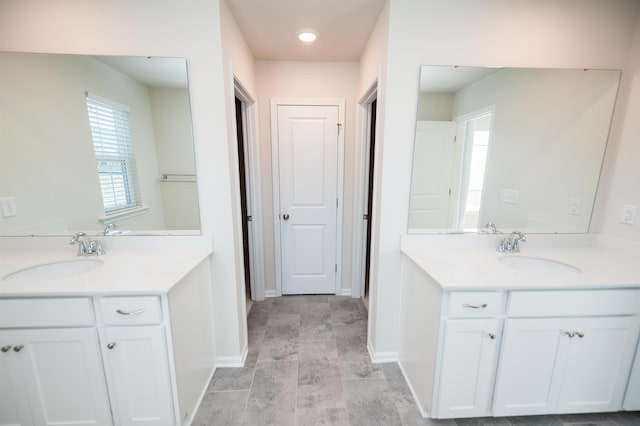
(8,205)
(509,196)
(574,206)
(629,214)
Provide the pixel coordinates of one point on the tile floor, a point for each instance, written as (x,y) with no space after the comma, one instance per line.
(308,365)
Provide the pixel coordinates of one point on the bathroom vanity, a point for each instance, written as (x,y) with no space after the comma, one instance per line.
(551,330)
(126,341)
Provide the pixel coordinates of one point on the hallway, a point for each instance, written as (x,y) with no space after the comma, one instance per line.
(308,365)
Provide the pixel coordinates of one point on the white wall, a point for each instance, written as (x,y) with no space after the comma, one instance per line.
(238,63)
(174,147)
(48,164)
(435,107)
(620,183)
(527,33)
(188,29)
(373,68)
(310,80)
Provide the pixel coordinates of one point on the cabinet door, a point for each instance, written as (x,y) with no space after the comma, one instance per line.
(138,375)
(530,360)
(598,362)
(14,401)
(63,375)
(469,358)
(632,398)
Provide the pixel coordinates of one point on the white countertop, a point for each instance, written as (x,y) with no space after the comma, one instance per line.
(123,272)
(479,268)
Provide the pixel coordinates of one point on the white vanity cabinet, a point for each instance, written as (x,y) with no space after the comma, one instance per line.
(136,364)
(50,376)
(632,398)
(552,352)
(469,359)
(449,346)
(564,365)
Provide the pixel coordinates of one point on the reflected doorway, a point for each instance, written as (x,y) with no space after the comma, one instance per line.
(475,129)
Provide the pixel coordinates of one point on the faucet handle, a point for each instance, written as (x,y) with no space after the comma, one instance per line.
(95,248)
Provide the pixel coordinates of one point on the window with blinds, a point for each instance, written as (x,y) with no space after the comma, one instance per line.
(115,158)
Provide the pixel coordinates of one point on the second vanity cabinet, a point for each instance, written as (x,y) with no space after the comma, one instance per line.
(512,352)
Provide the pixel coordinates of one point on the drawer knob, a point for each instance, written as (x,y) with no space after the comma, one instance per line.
(111,345)
(579,334)
(482,306)
(571,334)
(136,312)
(491,336)
(18,348)
(5,348)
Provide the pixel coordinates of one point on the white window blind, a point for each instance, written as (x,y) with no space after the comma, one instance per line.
(115,158)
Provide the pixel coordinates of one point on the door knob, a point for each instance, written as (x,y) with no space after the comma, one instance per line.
(6,348)
(111,345)
(285,216)
(18,348)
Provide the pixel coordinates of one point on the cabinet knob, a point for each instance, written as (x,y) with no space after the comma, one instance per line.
(482,306)
(571,334)
(491,336)
(579,334)
(111,345)
(5,348)
(18,348)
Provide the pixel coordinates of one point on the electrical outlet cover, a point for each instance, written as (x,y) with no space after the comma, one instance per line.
(629,214)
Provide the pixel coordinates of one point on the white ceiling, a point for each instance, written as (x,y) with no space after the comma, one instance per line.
(269,27)
(448,79)
(150,71)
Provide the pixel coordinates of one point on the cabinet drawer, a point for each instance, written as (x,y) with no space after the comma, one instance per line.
(70,311)
(139,310)
(573,303)
(475,304)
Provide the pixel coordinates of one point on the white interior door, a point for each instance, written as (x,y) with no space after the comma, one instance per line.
(433,163)
(307,138)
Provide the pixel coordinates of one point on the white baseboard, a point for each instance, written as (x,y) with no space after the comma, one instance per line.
(423,412)
(233,361)
(345,292)
(381,357)
(270,293)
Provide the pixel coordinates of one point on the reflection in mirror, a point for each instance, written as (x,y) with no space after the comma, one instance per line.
(521,148)
(100,144)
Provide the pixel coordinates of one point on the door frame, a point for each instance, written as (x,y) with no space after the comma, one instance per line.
(275,170)
(252,167)
(361,187)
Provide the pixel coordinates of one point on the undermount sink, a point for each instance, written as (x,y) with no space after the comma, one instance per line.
(536,264)
(56,270)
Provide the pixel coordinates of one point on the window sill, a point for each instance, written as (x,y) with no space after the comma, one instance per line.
(124,214)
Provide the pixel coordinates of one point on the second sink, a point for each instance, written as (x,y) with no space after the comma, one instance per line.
(536,264)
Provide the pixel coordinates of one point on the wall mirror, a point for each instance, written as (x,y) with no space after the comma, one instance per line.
(519,147)
(89,141)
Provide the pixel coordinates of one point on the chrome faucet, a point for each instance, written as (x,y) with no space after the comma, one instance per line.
(512,243)
(109,228)
(492,226)
(87,246)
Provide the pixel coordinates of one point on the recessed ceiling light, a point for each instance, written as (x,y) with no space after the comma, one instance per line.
(307,35)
